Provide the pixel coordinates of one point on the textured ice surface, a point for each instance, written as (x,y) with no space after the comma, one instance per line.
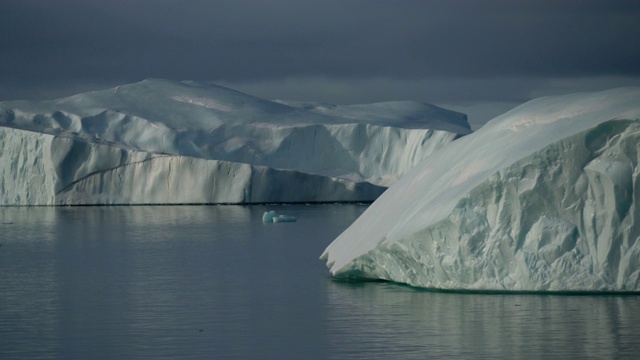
(160,141)
(543,198)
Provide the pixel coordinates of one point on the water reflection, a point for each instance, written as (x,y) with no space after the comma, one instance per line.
(416,323)
(27,282)
(208,282)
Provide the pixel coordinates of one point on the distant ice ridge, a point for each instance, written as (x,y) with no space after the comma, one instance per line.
(543,198)
(168,142)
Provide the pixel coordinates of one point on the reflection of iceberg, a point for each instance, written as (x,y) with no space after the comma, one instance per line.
(464,326)
(545,198)
(164,142)
(271,217)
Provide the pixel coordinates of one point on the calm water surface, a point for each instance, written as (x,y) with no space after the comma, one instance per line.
(205,282)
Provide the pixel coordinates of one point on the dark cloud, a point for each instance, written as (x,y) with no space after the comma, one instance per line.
(71,42)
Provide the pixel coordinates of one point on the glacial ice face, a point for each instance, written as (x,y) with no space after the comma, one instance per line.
(170,142)
(48,170)
(543,198)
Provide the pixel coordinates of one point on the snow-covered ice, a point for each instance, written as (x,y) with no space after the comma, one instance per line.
(543,198)
(160,141)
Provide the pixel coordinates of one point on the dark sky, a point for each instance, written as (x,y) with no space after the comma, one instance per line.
(474,56)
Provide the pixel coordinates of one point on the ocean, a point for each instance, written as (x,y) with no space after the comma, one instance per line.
(214,282)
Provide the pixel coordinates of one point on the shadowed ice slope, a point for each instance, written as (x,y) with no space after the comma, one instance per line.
(543,198)
(161,141)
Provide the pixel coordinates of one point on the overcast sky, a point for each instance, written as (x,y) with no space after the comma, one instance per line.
(479,57)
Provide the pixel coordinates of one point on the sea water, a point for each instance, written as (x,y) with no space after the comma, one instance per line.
(207,282)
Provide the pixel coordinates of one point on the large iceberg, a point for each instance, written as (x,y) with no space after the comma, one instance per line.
(166,142)
(543,198)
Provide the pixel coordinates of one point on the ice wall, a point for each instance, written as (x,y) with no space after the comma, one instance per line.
(543,198)
(49,170)
(26,174)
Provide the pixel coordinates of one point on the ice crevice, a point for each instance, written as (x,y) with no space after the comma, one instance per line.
(103,171)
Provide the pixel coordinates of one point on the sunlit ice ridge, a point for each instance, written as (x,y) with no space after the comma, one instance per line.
(543,198)
(168,142)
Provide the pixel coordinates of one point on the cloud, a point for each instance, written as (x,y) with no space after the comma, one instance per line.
(334,50)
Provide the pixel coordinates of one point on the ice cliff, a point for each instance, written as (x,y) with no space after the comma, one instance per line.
(543,198)
(168,142)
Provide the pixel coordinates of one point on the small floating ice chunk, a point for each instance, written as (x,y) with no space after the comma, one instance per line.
(268,216)
(284,218)
(271,217)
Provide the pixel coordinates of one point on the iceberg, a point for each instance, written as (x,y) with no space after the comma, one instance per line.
(545,197)
(167,142)
(270,217)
